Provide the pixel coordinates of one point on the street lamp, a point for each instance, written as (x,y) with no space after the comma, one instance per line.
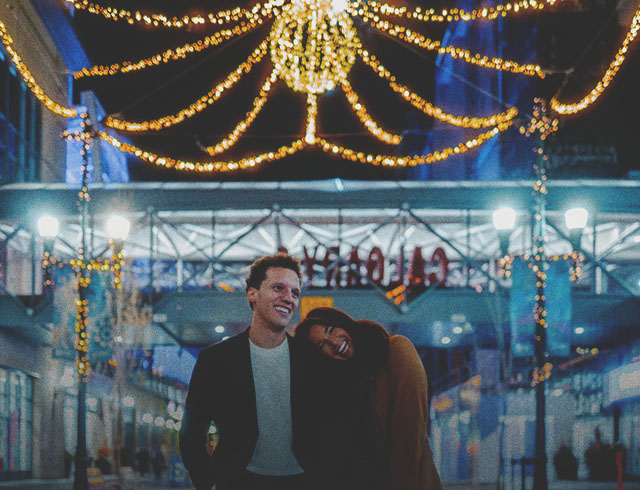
(118,230)
(576,220)
(48,227)
(504,219)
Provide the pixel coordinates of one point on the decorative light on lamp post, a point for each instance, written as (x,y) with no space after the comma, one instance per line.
(576,220)
(504,219)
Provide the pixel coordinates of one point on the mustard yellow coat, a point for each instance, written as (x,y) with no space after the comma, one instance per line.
(402,411)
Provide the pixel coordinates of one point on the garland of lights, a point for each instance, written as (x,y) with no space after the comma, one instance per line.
(411,37)
(607,78)
(174,54)
(453,14)
(242,126)
(313,44)
(161,20)
(370,124)
(198,106)
(82,309)
(412,161)
(30,81)
(312,113)
(309,140)
(428,108)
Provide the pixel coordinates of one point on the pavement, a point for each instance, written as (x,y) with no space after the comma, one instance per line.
(149,483)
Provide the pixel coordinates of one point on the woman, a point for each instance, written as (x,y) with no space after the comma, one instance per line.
(390,374)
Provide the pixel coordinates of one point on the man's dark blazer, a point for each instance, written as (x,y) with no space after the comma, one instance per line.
(222,390)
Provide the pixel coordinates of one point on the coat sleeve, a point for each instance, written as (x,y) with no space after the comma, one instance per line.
(411,464)
(195,425)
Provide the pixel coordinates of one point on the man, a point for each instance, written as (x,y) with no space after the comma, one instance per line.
(251,387)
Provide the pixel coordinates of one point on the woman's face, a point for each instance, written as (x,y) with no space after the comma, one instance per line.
(333,342)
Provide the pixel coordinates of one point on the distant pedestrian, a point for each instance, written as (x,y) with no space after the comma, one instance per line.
(158,463)
(142,459)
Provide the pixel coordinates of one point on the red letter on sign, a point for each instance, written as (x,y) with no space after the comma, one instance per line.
(439,257)
(353,278)
(375,266)
(416,269)
(332,263)
(309,262)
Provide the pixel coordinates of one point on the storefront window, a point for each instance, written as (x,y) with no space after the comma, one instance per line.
(16,413)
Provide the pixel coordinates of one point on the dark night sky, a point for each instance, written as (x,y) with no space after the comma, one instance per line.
(165,89)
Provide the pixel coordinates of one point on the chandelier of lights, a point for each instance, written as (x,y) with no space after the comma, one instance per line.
(313,45)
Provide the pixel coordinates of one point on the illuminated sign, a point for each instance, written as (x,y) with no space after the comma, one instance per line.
(622,383)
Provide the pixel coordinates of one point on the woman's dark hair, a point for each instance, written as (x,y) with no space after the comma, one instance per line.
(370,339)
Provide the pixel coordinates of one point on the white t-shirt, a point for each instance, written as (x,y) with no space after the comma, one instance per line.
(273,454)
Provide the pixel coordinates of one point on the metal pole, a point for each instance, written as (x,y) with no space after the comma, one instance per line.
(151,245)
(539,263)
(81,480)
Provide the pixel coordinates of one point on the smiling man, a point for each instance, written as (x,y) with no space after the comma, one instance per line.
(251,387)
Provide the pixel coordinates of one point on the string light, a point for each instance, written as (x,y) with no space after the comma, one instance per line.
(258,103)
(312,112)
(607,78)
(539,123)
(161,20)
(198,106)
(31,81)
(200,167)
(428,108)
(407,35)
(453,14)
(575,260)
(370,124)
(393,161)
(116,264)
(297,145)
(313,45)
(174,54)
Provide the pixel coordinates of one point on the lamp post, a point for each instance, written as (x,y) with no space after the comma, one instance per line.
(118,231)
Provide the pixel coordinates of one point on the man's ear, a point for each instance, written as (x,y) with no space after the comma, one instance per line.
(251,296)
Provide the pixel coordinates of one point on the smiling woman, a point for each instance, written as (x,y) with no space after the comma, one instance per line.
(390,385)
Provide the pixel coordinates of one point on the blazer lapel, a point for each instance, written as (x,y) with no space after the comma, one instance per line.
(244,384)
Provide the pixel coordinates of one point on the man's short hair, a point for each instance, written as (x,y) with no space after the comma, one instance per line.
(258,270)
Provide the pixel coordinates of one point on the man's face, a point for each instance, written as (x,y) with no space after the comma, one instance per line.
(276,300)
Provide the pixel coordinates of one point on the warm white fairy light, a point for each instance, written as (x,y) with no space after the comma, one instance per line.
(607,78)
(168,55)
(199,167)
(30,80)
(243,125)
(366,119)
(161,20)
(312,112)
(448,15)
(313,46)
(412,37)
(198,106)
(428,108)
(412,161)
